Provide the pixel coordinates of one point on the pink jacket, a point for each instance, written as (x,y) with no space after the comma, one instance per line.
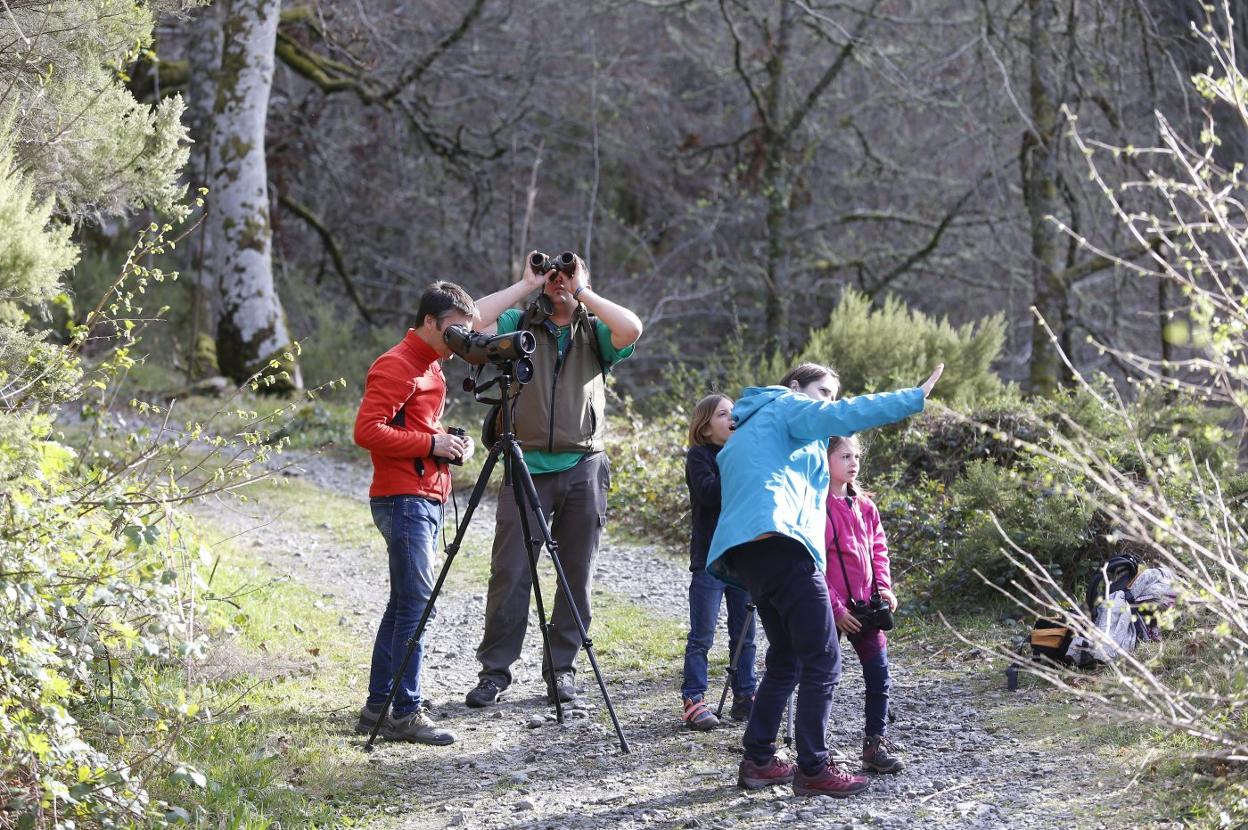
(862,544)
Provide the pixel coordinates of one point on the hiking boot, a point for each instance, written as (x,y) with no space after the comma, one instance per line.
(752,776)
(877,755)
(368,719)
(484,693)
(564,686)
(831,780)
(698,717)
(741,706)
(416,727)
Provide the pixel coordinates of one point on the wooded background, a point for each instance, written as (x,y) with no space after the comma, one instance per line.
(726,168)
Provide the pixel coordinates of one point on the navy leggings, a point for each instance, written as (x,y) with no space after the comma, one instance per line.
(872,650)
(803,653)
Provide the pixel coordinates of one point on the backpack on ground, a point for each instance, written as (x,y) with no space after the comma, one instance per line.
(1050,640)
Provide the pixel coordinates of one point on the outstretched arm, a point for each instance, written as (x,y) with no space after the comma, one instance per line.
(810,419)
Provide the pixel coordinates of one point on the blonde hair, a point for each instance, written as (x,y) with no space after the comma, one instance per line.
(701,418)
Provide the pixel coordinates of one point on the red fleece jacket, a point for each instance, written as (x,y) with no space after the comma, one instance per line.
(404,395)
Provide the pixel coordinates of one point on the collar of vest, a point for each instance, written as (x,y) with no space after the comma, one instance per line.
(538,314)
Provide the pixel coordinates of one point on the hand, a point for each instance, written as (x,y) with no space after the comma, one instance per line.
(471,448)
(450,446)
(889,597)
(848,624)
(579,276)
(533,280)
(931,381)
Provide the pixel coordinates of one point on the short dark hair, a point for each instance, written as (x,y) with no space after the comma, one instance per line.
(808,372)
(442,299)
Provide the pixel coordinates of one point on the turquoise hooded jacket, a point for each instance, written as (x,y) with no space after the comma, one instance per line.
(774,469)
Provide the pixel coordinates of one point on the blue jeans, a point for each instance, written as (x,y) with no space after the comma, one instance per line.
(705,593)
(872,651)
(802,652)
(410,525)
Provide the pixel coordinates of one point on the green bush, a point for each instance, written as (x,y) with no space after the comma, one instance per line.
(940,477)
(885,347)
(873,349)
(648,494)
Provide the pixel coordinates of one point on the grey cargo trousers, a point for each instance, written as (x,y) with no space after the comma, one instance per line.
(577,498)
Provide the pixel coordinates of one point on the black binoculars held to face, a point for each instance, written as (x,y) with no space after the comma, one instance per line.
(565,262)
(477,348)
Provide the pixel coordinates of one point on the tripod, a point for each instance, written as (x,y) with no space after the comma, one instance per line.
(736,658)
(732,675)
(527,502)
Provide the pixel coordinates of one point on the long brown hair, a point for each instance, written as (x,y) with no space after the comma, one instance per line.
(701,418)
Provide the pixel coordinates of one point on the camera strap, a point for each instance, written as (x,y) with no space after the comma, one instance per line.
(840,555)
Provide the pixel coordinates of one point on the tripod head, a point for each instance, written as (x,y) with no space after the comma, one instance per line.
(498,421)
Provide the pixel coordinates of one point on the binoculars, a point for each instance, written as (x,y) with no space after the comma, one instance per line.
(565,262)
(872,614)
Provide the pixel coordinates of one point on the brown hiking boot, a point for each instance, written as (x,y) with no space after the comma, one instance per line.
(416,727)
(831,780)
(877,755)
(741,706)
(752,776)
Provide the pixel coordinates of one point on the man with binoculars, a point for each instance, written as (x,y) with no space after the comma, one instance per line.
(560,421)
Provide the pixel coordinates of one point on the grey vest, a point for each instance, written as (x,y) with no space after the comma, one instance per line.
(563,409)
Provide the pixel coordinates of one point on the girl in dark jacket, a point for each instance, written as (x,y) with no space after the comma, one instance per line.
(709,429)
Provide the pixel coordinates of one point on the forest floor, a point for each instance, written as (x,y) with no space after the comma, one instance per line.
(978,756)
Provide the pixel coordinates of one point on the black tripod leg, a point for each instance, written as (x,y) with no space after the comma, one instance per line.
(736,656)
(524,503)
(451,550)
(788,720)
(522,474)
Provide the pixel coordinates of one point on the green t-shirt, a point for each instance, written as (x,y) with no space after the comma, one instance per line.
(556,462)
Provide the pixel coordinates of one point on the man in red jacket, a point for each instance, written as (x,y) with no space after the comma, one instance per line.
(399,424)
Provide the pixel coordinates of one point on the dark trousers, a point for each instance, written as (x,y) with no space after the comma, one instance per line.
(803,653)
(872,650)
(575,503)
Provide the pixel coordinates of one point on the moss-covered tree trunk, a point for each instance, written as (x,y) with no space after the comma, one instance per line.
(1041,197)
(251,327)
(204,58)
(776,177)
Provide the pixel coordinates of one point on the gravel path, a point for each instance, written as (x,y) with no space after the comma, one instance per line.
(514,767)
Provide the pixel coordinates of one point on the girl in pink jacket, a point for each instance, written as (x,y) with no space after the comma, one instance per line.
(857,569)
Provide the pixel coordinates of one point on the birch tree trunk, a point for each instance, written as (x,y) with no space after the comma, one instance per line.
(251,327)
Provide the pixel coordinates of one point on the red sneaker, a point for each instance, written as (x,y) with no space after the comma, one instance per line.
(831,780)
(752,776)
